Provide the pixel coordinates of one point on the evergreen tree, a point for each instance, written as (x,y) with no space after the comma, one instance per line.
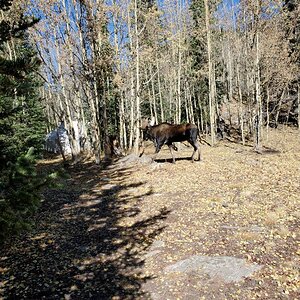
(293,30)
(198,53)
(198,44)
(22,125)
(21,114)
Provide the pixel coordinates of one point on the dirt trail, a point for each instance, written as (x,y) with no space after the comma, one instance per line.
(136,230)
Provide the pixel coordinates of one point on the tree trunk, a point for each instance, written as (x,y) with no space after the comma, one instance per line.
(137,78)
(151,104)
(178,117)
(153,95)
(268,113)
(258,117)
(162,114)
(212,107)
(241,109)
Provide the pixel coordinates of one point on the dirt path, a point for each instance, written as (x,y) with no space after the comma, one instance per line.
(223,228)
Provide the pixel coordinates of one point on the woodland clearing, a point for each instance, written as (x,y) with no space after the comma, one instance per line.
(112,232)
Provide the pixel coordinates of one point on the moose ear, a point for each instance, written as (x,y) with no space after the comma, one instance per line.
(152,122)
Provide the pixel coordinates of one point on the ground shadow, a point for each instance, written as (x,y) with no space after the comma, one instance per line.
(88,243)
(170,160)
(268,150)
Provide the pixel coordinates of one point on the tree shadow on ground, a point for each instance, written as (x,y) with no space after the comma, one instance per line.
(88,243)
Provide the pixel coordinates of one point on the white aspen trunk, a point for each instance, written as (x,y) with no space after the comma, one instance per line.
(162,114)
(210,75)
(103,81)
(12,56)
(201,119)
(191,106)
(153,96)
(95,110)
(93,100)
(123,131)
(105,97)
(131,125)
(150,98)
(75,139)
(131,104)
(137,78)
(279,107)
(258,125)
(69,123)
(226,96)
(95,132)
(186,106)
(170,100)
(241,110)
(249,89)
(214,93)
(151,104)
(122,123)
(132,86)
(179,85)
(268,116)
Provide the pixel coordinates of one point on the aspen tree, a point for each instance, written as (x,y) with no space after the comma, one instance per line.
(211,75)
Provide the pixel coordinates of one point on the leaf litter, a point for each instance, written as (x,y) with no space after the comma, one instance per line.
(112,231)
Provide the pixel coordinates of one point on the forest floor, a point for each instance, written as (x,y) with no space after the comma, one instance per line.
(223,228)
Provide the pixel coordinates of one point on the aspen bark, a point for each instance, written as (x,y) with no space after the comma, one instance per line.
(162,114)
(151,104)
(267,112)
(178,117)
(258,129)
(68,115)
(212,107)
(153,96)
(137,78)
(241,109)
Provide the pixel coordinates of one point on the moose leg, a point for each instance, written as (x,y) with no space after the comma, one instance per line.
(174,147)
(157,149)
(141,147)
(171,147)
(196,147)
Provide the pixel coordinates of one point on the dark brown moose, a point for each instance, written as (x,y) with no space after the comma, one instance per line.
(168,134)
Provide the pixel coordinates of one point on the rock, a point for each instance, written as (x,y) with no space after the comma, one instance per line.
(145,159)
(134,159)
(109,187)
(106,179)
(229,269)
(152,253)
(155,248)
(157,244)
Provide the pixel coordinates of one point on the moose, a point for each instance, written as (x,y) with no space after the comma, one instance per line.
(166,133)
